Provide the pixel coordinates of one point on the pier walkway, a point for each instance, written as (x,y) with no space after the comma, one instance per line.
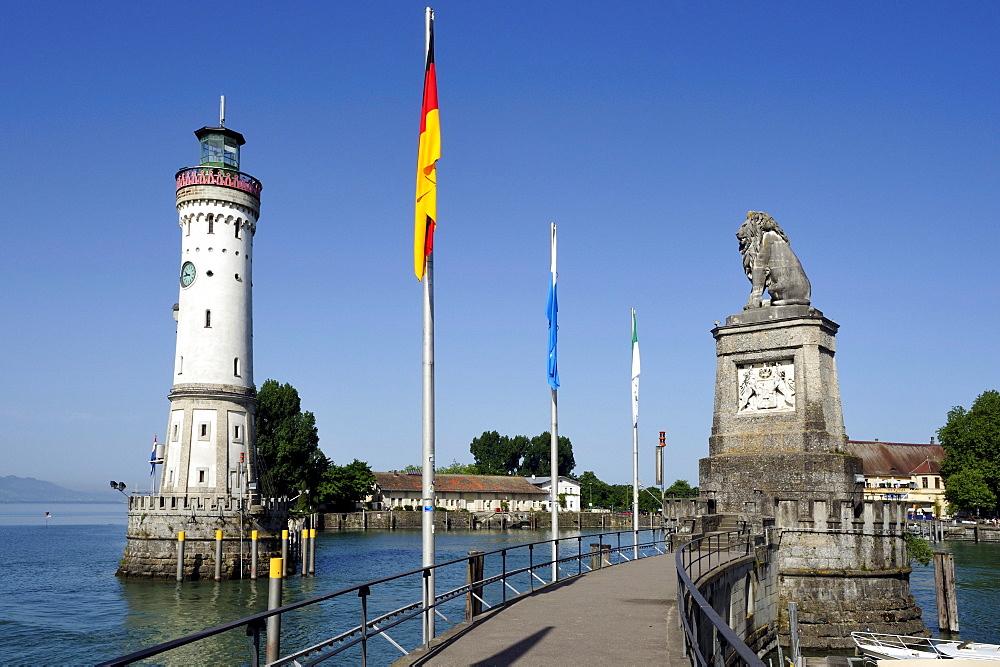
(620,615)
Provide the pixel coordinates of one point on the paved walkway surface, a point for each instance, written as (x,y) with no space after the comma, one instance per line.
(620,615)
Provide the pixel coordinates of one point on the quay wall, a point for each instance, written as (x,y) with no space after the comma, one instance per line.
(843,563)
(744,593)
(155,521)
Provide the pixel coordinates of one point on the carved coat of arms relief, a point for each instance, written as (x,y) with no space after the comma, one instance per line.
(766,387)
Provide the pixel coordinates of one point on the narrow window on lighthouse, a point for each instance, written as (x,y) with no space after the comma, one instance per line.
(208,319)
(236,226)
(236,366)
(180,366)
(211,224)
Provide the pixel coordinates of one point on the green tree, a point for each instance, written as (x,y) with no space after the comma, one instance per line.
(594,492)
(456,468)
(967,490)
(681,489)
(971,441)
(537,458)
(497,454)
(288,456)
(342,487)
(917,549)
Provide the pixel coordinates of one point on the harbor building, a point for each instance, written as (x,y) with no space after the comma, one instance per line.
(208,472)
(904,472)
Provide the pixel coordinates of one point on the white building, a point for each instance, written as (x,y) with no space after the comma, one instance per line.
(567,490)
(474,493)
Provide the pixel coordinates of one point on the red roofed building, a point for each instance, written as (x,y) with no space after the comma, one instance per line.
(902,471)
(475,493)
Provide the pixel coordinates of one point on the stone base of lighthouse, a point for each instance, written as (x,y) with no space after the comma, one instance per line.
(155,521)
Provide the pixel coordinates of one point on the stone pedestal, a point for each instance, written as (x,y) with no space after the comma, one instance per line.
(778,457)
(778,429)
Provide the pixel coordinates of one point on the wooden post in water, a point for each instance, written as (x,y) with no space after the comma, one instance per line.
(944,587)
(253,554)
(273,602)
(218,555)
(473,599)
(180,556)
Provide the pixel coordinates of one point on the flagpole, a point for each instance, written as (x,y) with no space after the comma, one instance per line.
(554,447)
(635,439)
(426,219)
(427,485)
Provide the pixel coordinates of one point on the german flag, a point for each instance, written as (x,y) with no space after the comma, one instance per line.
(427,157)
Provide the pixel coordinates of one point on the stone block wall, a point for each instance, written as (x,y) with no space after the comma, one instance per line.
(845,566)
(155,521)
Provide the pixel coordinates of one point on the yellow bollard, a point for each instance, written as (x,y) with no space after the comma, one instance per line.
(284,552)
(218,555)
(273,602)
(312,552)
(180,556)
(253,554)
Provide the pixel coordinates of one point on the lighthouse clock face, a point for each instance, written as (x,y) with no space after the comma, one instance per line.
(187,274)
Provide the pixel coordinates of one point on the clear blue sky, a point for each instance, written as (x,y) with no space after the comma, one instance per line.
(646,130)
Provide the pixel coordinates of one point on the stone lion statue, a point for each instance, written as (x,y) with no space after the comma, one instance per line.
(770,264)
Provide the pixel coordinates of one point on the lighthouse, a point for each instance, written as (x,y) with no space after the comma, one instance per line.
(209,447)
(207,464)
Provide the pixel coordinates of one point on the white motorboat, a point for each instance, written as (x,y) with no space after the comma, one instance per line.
(903,647)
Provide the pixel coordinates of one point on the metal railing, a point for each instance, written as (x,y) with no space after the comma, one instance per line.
(695,559)
(223,176)
(507,572)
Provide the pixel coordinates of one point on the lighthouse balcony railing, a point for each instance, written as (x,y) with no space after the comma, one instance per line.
(221,176)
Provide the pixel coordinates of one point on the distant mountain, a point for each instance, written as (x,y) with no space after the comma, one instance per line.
(30,490)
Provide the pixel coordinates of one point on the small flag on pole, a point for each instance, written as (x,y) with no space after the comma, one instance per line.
(152,458)
(635,373)
(427,157)
(553,311)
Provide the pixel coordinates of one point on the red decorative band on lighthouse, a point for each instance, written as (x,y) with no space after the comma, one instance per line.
(222,177)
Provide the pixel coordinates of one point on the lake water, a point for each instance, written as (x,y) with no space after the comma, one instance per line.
(62,603)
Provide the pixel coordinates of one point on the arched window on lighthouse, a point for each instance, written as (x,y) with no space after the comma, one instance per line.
(236,226)
(208,319)
(236,366)
(211,224)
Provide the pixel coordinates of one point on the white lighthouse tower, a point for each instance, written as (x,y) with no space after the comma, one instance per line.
(208,464)
(209,445)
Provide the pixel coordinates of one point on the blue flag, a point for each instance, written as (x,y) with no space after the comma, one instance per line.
(152,458)
(552,311)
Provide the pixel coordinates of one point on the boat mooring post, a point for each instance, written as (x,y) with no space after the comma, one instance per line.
(253,554)
(284,552)
(944,588)
(474,598)
(218,555)
(180,556)
(304,550)
(273,602)
(312,552)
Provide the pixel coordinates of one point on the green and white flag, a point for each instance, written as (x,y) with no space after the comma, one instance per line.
(635,373)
